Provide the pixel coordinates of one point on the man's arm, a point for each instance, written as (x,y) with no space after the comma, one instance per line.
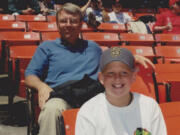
(43,89)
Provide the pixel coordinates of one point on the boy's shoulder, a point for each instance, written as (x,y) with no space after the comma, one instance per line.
(93,104)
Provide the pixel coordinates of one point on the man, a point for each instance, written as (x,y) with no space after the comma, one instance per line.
(68,58)
(65,59)
(169,21)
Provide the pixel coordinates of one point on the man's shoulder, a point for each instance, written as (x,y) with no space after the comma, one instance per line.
(92,44)
(50,43)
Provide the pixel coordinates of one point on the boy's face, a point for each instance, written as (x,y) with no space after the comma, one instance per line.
(117,79)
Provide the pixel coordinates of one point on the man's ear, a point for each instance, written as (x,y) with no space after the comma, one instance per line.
(101,78)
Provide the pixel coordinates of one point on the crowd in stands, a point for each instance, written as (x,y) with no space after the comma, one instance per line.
(112,11)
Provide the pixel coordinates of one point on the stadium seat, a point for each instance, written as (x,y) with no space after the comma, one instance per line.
(31,18)
(146,51)
(16,38)
(169,74)
(145,83)
(137,15)
(112,27)
(12,38)
(51,18)
(86,28)
(137,39)
(102,38)
(18,59)
(167,39)
(12,26)
(7,17)
(171,113)
(68,121)
(49,35)
(167,54)
(42,26)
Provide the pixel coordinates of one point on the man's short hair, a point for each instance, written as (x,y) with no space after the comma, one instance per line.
(70,8)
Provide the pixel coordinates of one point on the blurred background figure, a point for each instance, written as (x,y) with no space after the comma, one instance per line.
(24,7)
(169,21)
(47,7)
(117,16)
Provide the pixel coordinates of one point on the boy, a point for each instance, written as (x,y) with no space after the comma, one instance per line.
(119,111)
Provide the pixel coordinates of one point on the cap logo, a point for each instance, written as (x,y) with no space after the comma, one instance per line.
(115,52)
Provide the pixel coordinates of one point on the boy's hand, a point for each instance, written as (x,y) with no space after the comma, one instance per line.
(143,61)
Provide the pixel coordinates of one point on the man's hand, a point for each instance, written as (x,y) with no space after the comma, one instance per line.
(43,94)
(143,61)
(28,11)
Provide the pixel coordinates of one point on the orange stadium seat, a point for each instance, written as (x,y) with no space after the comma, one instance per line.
(86,28)
(137,39)
(169,74)
(171,113)
(137,15)
(16,38)
(18,59)
(167,39)
(112,27)
(12,26)
(6,17)
(145,83)
(49,35)
(168,54)
(102,38)
(68,121)
(31,18)
(42,26)
(51,18)
(11,38)
(146,51)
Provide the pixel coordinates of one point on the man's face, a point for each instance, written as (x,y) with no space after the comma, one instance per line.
(117,79)
(69,26)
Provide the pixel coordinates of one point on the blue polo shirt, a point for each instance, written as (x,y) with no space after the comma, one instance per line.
(64,63)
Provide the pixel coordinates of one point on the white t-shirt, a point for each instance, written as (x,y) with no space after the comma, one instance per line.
(99,117)
(120,18)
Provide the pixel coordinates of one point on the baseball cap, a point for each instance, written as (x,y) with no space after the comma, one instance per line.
(117,54)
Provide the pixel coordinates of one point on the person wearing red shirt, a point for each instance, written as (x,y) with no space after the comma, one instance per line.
(169,21)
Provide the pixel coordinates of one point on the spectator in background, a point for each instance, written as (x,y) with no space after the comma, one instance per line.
(23,7)
(47,7)
(95,14)
(84,4)
(117,16)
(169,21)
(119,111)
(149,21)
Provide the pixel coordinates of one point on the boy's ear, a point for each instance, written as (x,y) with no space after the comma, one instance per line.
(136,70)
(101,78)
